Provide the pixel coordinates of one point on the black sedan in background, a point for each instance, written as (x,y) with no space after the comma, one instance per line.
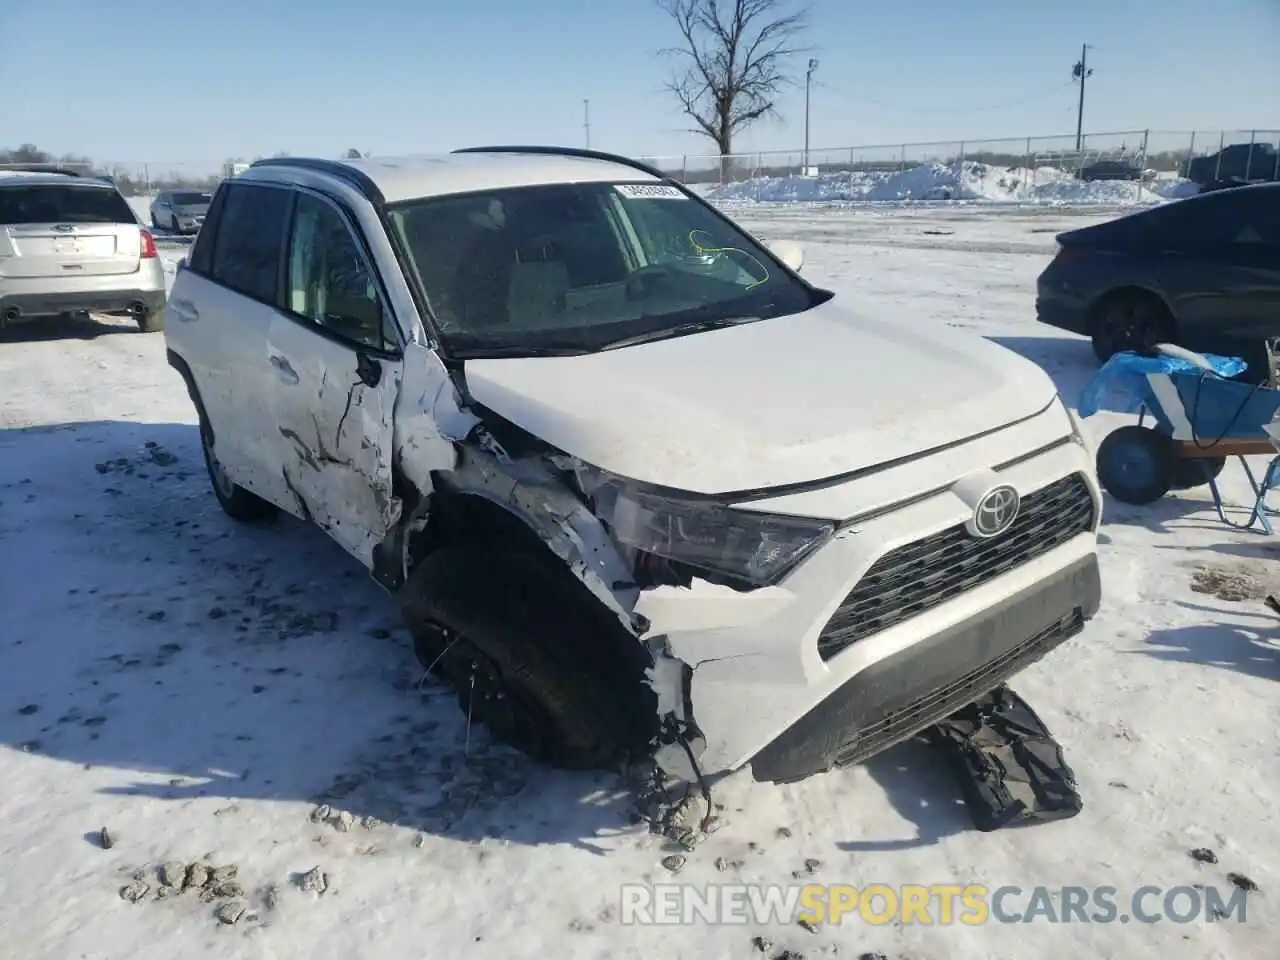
(1202,272)
(1110,170)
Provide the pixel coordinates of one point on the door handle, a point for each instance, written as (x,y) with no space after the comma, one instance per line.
(283,369)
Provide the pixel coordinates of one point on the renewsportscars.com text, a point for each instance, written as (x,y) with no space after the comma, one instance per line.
(926,904)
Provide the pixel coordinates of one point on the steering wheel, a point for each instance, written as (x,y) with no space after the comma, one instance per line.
(643,282)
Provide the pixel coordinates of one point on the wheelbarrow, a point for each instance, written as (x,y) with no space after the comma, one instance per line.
(1199,418)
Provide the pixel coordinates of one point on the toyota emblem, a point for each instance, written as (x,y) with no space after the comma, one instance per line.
(995,512)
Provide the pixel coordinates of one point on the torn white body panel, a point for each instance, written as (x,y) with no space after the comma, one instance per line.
(334,446)
(788,400)
(540,500)
(429,418)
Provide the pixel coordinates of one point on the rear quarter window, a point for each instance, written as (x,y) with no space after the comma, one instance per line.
(248,240)
(63,203)
(200,259)
(1242,215)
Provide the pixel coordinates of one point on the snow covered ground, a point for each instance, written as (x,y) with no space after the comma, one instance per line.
(197,688)
(974,182)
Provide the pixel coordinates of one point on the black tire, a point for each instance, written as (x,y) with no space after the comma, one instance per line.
(155,224)
(1131,320)
(173,224)
(1191,473)
(152,321)
(1136,465)
(237,503)
(532,655)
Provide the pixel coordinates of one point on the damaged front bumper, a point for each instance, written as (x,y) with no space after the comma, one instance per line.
(897,697)
(759,687)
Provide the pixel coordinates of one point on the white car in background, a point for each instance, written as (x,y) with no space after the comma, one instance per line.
(639,486)
(71,244)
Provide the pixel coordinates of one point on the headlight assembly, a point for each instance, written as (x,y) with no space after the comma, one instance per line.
(1077,426)
(759,548)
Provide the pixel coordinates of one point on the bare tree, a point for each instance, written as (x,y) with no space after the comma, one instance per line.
(733,60)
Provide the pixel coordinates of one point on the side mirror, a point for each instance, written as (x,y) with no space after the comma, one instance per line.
(789,252)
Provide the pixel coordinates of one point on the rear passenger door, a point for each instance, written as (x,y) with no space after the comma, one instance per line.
(335,373)
(220,311)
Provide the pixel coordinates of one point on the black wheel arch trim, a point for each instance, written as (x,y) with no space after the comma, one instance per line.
(176,361)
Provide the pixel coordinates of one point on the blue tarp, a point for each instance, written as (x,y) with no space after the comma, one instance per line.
(1121,384)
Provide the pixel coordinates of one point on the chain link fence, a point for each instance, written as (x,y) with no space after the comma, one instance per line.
(1155,153)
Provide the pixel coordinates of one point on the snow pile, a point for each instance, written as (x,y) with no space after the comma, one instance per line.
(940,181)
(1175,187)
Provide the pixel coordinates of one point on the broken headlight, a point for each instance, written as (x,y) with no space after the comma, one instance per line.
(759,548)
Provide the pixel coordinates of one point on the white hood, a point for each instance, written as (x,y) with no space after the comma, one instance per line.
(781,401)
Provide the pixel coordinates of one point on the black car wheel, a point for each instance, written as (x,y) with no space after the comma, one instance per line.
(236,502)
(1131,321)
(531,655)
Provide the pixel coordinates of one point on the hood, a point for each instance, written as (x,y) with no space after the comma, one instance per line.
(782,401)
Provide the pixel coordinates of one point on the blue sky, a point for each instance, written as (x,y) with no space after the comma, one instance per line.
(170,83)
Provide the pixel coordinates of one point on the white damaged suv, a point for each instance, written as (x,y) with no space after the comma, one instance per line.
(639,487)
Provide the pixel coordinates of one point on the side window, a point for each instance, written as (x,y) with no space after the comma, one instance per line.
(1239,215)
(246,245)
(1251,216)
(201,257)
(330,283)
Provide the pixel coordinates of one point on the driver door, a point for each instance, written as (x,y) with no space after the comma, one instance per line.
(335,371)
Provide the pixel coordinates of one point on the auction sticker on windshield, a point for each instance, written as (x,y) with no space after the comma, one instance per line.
(649,191)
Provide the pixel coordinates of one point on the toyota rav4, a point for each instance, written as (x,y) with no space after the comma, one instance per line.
(638,486)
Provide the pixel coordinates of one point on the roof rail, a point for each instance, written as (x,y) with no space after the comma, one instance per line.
(358,179)
(572,152)
(39,168)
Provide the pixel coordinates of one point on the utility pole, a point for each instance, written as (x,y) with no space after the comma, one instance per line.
(1082,73)
(808,83)
(586,121)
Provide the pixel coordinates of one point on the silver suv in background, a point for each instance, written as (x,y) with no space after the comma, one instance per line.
(180,211)
(71,244)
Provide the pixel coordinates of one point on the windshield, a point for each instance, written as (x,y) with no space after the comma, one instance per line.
(576,267)
(192,199)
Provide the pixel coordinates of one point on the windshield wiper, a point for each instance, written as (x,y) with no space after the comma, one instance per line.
(504,350)
(679,330)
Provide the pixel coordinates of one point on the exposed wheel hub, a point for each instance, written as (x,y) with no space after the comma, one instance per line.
(487,696)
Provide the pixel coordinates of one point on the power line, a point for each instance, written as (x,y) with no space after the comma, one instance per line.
(1042,95)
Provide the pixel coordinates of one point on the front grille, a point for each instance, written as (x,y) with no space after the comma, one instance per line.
(927,710)
(914,578)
